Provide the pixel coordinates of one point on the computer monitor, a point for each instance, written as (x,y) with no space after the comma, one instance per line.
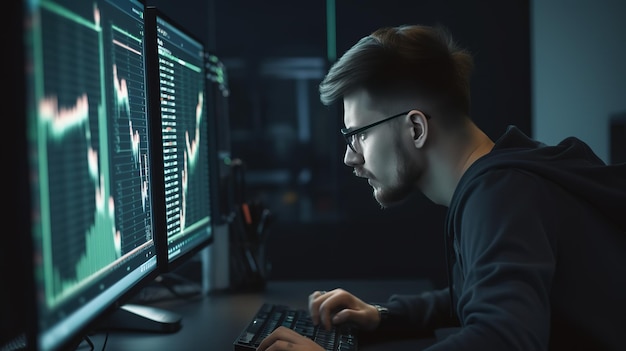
(184,147)
(217,79)
(89,163)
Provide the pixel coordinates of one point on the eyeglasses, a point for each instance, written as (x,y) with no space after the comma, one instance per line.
(351,135)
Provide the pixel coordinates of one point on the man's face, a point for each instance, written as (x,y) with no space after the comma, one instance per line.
(383,156)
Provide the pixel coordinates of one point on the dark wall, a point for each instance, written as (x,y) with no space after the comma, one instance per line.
(496,32)
(345,233)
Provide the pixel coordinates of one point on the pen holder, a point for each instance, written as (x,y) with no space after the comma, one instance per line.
(249,268)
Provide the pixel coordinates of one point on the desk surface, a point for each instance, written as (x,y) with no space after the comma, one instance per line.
(214,321)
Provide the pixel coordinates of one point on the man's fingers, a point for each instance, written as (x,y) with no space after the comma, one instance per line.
(314,305)
(342,316)
(279,345)
(280,335)
(323,305)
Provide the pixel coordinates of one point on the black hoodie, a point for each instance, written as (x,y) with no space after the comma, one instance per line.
(536,240)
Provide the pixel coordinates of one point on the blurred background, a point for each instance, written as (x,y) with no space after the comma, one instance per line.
(553,68)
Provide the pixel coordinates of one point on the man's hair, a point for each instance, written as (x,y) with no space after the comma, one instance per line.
(415,58)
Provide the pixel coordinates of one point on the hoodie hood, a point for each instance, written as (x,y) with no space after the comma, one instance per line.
(571,164)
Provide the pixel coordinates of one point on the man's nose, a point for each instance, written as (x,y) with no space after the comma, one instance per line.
(351,158)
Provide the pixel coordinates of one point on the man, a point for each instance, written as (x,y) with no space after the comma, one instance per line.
(536,234)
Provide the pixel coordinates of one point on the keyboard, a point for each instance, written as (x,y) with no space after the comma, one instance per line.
(271,316)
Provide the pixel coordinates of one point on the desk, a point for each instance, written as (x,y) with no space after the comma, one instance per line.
(213,322)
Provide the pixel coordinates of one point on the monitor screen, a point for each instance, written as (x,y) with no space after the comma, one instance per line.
(89,162)
(183,157)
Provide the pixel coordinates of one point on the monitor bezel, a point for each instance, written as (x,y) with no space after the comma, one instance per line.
(16,264)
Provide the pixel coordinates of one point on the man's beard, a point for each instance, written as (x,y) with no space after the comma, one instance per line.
(407,175)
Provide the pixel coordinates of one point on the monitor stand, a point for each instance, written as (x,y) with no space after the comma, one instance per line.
(142,318)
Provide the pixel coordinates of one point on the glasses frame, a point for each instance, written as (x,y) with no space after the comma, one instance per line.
(349,134)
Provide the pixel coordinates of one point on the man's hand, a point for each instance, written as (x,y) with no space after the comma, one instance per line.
(286,339)
(339,306)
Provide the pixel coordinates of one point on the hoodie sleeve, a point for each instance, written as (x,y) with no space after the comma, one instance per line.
(421,313)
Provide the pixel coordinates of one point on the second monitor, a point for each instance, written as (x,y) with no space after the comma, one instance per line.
(184,145)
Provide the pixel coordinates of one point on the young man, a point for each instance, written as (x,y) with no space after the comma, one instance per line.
(536,234)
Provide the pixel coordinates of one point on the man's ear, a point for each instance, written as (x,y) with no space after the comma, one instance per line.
(420,128)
